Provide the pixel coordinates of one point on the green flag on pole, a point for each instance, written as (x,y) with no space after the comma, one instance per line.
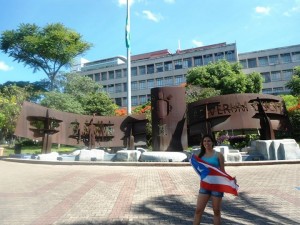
(127,29)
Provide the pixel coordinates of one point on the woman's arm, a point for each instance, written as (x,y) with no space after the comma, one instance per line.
(221,161)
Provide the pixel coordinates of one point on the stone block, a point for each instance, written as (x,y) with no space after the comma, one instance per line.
(288,151)
(163,157)
(234,157)
(127,156)
(48,157)
(97,154)
(84,155)
(264,147)
(108,156)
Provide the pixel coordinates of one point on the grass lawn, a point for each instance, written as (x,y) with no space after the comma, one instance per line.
(37,149)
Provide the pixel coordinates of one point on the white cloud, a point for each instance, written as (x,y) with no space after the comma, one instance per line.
(5,67)
(197,43)
(151,16)
(263,10)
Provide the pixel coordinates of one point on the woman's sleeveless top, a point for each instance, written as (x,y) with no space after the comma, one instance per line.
(213,160)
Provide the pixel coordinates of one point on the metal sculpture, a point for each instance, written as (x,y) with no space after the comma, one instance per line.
(266,113)
(169,129)
(52,126)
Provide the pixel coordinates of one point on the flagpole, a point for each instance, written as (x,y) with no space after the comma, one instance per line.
(127,34)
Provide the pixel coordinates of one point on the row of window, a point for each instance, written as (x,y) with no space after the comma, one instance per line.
(165,66)
(135,100)
(271,60)
(145,84)
(284,75)
(275,90)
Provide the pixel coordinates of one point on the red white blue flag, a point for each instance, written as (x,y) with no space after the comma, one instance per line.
(212,178)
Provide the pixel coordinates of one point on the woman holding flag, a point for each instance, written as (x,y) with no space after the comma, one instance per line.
(209,164)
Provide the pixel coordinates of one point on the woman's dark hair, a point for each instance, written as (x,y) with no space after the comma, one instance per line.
(202,152)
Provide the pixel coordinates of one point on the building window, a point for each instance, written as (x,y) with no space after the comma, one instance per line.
(104,88)
(286,58)
(150,69)
(143,99)
(90,76)
(273,59)
(178,80)
(150,83)
(295,56)
(125,86)
(230,56)
(104,76)
(159,67)
(159,82)
(252,63)
(168,66)
(207,59)
(118,101)
(287,74)
(243,62)
(142,70)
(111,75)
(275,76)
(178,64)
(219,56)
(267,91)
(124,72)
(198,61)
(187,63)
(277,90)
(266,77)
(263,61)
(124,103)
(97,77)
(134,100)
(168,81)
(110,88)
(134,85)
(118,73)
(142,84)
(118,88)
(133,71)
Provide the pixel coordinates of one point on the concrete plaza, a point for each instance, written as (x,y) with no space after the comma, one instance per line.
(40,194)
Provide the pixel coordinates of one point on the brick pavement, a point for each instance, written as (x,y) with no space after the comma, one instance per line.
(39,194)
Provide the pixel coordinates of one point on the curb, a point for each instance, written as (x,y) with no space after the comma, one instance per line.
(99,163)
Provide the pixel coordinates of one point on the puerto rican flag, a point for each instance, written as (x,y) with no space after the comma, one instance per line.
(212,178)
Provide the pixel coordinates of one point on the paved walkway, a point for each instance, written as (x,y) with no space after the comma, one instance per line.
(38,194)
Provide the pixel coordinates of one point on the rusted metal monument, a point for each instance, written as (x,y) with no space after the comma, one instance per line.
(264,113)
(173,123)
(52,126)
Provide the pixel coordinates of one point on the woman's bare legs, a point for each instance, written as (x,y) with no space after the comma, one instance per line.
(216,205)
(201,204)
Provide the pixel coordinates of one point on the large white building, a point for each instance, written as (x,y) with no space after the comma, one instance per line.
(162,68)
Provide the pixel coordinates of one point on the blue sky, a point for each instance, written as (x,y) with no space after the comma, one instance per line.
(155,25)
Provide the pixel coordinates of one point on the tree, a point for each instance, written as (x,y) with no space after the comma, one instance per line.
(47,49)
(11,100)
(195,93)
(226,77)
(81,95)
(294,83)
(63,102)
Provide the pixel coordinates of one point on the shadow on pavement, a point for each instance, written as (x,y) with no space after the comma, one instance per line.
(171,210)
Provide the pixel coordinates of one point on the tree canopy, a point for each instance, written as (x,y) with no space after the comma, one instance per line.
(47,49)
(294,83)
(226,77)
(81,95)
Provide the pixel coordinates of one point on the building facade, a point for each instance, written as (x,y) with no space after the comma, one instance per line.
(162,68)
